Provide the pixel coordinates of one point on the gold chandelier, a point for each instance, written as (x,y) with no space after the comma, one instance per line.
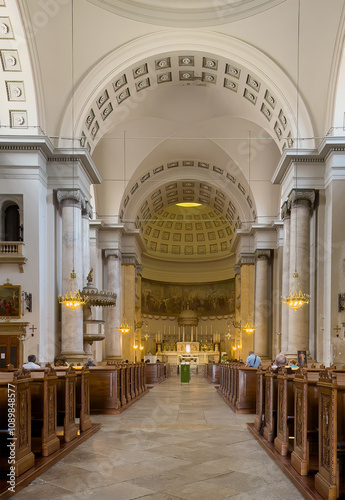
(72,300)
(124,327)
(249,327)
(296,297)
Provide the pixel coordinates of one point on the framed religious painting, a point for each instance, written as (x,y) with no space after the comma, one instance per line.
(10,306)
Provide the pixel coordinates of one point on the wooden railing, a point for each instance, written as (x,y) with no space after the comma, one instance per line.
(11,252)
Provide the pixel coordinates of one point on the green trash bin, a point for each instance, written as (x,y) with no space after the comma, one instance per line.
(185,373)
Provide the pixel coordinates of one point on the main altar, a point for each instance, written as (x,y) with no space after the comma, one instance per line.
(188,352)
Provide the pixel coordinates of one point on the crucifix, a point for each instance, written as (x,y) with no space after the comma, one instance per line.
(33,330)
(337,329)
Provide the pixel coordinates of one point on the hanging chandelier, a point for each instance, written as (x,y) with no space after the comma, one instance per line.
(296,297)
(124,327)
(249,327)
(72,300)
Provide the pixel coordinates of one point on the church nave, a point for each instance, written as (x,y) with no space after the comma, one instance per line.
(177,442)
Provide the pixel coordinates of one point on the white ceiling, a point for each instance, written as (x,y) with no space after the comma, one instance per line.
(210,116)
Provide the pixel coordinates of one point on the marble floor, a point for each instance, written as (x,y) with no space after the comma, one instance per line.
(176,442)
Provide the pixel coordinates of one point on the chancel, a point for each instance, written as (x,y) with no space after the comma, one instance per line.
(172,179)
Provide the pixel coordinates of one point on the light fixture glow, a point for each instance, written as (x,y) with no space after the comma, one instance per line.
(188,204)
(124,327)
(296,297)
(72,300)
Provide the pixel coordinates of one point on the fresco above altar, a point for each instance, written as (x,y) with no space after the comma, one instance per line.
(212,299)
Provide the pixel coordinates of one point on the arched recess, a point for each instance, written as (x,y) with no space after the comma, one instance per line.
(119,83)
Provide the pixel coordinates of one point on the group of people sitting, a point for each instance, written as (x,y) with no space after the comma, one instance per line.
(58,361)
(280,360)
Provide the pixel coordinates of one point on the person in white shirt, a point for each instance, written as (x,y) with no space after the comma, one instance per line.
(30,365)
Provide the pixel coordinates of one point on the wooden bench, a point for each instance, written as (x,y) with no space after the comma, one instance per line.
(66,404)
(285,410)
(213,373)
(154,373)
(245,389)
(82,403)
(331,387)
(271,385)
(260,398)
(44,411)
(306,420)
(16,387)
(106,396)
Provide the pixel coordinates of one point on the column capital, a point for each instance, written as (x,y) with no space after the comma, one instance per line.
(237,269)
(302,197)
(111,254)
(129,260)
(262,254)
(247,258)
(70,197)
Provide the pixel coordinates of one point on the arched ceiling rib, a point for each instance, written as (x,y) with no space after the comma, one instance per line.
(115,89)
(181,13)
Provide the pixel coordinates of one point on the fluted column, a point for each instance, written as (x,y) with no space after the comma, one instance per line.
(302,201)
(113,338)
(286,216)
(70,201)
(262,305)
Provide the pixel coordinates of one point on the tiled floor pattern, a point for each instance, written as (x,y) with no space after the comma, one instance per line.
(177,442)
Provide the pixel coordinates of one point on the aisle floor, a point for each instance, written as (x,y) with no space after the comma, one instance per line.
(176,442)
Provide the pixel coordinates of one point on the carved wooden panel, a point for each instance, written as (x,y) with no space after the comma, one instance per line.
(299,416)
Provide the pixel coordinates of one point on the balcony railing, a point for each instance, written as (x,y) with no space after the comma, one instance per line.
(11,252)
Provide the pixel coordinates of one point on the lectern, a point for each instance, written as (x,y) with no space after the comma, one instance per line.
(185,373)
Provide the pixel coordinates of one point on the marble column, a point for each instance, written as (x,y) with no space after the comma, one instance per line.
(70,201)
(247,301)
(129,304)
(85,221)
(286,216)
(302,202)
(262,305)
(113,338)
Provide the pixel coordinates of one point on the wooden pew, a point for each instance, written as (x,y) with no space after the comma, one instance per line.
(154,373)
(213,373)
(331,387)
(105,392)
(82,394)
(260,398)
(66,403)
(44,411)
(271,384)
(246,389)
(306,420)
(285,410)
(19,391)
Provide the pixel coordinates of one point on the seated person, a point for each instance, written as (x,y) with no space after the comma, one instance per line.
(90,362)
(253,360)
(31,365)
(279,361)
(60,361)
